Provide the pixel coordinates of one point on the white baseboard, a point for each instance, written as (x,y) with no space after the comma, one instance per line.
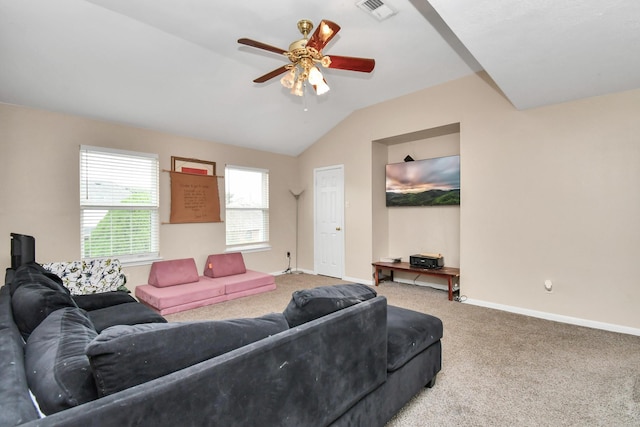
(398,280)
(356,280)
(518,310)
(557,317)
(280,273)
(424,284)
(539,314)
(346,279)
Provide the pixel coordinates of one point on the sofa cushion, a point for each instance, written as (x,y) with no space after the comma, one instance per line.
(408,333)
(101,300)
(310,304)
(222,265)
(173,272)
(57,368)
(35,295)
(125,356)
(129,313)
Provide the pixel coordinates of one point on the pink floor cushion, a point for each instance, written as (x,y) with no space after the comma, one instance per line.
(222,265)
(249,280)
(173,272)
(162,298)
(248,292)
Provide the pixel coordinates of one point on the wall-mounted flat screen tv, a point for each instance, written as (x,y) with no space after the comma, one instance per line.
(428,182)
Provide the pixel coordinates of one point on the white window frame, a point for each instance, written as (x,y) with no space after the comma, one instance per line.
(261,204)
(106,176)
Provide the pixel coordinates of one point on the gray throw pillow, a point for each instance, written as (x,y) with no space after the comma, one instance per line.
(310,304)
(57,368)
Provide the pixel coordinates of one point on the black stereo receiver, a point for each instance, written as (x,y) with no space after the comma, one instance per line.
(430,261)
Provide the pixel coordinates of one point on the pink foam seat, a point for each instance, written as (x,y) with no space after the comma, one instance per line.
(248,280)
(252,291)
(172,299)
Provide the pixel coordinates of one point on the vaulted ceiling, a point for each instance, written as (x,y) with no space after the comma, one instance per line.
(176,66)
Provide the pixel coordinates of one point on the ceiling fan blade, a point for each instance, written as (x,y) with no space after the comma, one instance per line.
(323,35)
(271,74)
(261,45)
(364,65)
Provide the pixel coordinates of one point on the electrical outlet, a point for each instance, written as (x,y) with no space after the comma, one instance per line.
(288,254)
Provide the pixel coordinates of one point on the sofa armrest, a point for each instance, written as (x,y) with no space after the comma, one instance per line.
(9,275)
(15,401)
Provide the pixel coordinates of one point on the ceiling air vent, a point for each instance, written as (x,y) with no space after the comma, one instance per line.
(377,9)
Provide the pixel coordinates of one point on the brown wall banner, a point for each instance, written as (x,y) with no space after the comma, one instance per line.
(194,198)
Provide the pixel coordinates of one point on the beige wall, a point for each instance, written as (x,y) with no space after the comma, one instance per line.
(547,193)
(349,145)
(39,191)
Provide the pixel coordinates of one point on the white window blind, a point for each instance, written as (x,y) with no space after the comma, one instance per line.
(247,205)
(118,204)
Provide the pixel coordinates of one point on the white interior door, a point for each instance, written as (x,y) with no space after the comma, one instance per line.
(329,221)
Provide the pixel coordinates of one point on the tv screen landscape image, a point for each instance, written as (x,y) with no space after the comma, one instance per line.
(428,182)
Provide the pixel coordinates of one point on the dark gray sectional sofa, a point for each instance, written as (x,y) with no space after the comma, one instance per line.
(337,355)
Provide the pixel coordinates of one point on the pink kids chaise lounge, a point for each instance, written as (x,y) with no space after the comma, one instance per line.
(175,285)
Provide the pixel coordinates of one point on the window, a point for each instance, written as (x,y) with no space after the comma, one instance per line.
(247,206)
(118,204)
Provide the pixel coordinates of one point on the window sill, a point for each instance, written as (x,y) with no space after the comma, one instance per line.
(137,262)
(131,262)
(249,248)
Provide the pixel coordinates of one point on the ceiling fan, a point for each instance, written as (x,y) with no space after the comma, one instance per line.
(305,54)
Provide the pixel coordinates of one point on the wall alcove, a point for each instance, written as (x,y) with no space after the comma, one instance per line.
(403,231)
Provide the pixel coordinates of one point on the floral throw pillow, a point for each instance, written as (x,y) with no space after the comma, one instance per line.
(89,277)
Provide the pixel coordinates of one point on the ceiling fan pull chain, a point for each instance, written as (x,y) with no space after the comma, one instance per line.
(305,108)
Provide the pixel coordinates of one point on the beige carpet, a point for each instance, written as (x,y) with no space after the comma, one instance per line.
(499,369)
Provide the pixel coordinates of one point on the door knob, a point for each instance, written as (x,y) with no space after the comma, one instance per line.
(338,229)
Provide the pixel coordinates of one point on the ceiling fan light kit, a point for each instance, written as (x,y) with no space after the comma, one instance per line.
(305,55)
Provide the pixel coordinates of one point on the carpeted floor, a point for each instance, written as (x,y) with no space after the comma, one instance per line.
(499,368)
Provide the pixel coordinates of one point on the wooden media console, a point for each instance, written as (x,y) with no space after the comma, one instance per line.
(446,272)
